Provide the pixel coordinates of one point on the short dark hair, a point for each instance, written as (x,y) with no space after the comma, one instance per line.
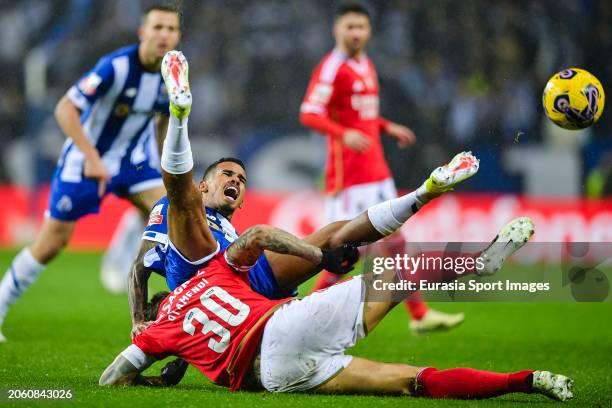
(151,309)
(167,8)
(345,8)
(214,165)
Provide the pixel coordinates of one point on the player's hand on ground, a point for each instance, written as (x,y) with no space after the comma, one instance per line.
(356,140)
(340,260)
(94,169)
(139,327)
(405,137)
(174,371)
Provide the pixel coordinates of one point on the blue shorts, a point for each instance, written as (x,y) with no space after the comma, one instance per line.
(263,281)
(70,201)
(178,270)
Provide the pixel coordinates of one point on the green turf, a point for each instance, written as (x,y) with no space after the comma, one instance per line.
(67,329)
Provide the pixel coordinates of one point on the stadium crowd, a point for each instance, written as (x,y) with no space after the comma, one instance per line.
(461,74)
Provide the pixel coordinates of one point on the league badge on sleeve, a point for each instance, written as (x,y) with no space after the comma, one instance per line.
(89,84)
(321,94)
(156,217)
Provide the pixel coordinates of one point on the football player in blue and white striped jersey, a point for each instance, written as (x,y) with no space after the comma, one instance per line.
(111,118)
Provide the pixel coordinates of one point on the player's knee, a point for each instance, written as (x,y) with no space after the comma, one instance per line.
(49,251)
(44,250)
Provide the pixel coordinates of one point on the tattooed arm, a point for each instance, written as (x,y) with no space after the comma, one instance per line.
(245,251)
(120,372)
(138,288)
(123,372)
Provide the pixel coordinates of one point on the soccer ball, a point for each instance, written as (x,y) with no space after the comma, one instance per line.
(573,99)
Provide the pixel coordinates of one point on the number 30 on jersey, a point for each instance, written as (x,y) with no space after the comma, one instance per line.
(221,338)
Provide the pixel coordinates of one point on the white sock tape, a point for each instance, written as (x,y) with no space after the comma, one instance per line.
(176,155)
(382,218)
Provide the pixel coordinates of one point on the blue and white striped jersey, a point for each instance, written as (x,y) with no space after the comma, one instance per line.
(118,99)
(167,261)
(157,227)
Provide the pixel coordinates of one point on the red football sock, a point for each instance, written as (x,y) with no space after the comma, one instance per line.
(325,280)
(467,383)
(415,306)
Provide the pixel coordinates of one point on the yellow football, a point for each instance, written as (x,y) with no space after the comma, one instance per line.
(573,99)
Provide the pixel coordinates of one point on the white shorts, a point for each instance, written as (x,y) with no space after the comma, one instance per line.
(304,342)
(354,200)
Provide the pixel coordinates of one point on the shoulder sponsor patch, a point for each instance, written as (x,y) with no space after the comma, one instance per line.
(89,84)
(155,219)
(320,94)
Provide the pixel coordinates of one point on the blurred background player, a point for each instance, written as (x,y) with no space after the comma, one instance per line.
(110,117)
(342,102)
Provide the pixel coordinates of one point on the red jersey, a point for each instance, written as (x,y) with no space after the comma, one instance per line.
(214,321)
(345,92)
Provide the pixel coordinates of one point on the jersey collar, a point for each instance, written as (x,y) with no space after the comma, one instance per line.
(220,220)
(361,66)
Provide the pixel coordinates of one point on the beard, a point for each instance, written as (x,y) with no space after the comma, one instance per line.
(226,210)
(354,49)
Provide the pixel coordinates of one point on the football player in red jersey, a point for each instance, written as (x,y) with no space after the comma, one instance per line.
(342,102)
(242,340)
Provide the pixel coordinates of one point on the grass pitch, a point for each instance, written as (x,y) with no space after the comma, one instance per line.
(67,329)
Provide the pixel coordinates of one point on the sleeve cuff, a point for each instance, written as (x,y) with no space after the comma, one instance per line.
(77,98)
(199,261)
(383,123)
(155,236)
(312,108)
(135,355)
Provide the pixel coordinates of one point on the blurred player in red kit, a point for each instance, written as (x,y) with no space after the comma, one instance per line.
(342,102)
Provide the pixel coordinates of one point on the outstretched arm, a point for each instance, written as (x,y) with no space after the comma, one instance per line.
(249,246)
(245,251)
(123,372)
(120,372)
(138,292)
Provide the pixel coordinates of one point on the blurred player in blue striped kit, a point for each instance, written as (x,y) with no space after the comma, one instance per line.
(111,117)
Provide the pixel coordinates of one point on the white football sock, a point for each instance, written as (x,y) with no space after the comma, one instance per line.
(121,252)
(388,216)
(20,275)
(176,155)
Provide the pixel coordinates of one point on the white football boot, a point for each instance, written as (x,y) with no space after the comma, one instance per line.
(175,71)
(435,321)
(555,386)
(463,166)
(510,239)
